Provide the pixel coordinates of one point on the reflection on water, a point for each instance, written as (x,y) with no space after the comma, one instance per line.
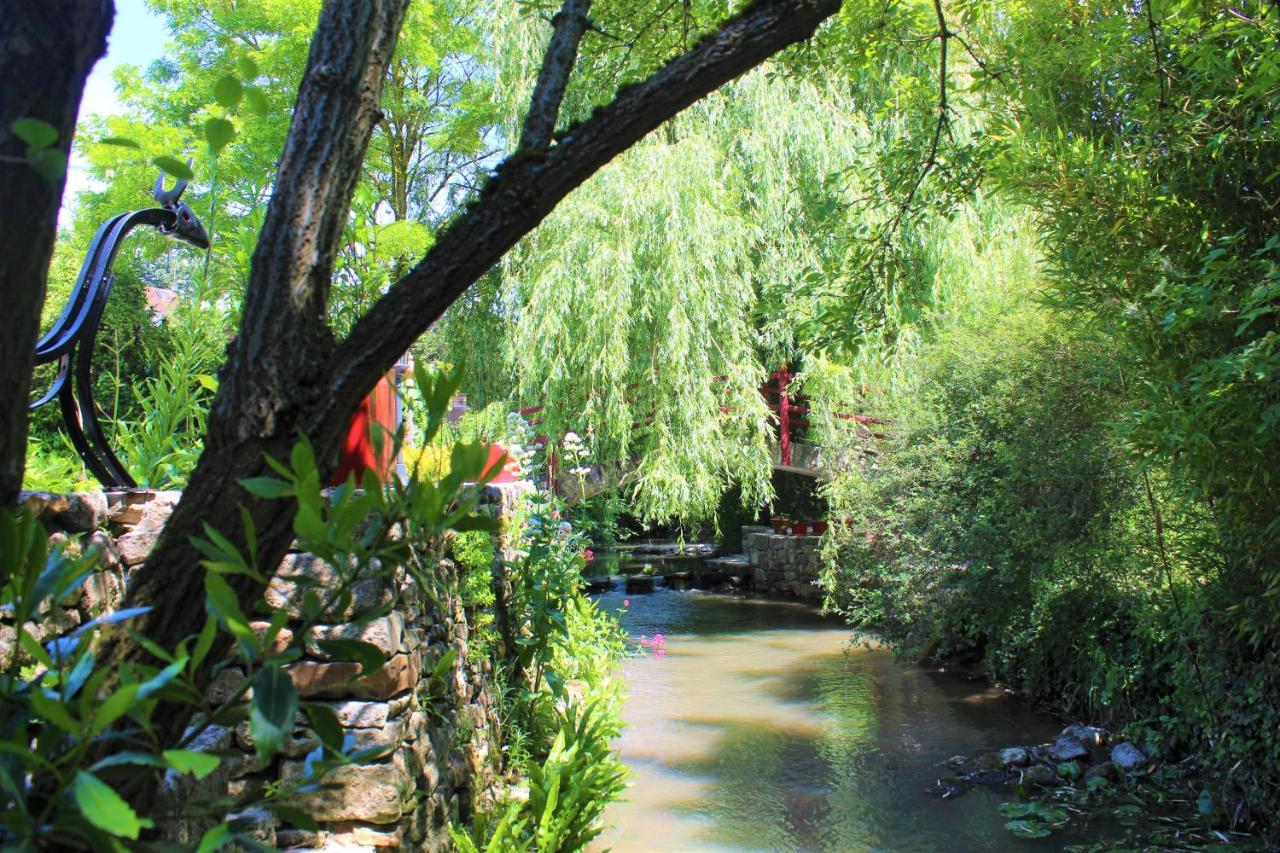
(762,728)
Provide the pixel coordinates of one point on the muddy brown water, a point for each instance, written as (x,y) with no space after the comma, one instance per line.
(763,727)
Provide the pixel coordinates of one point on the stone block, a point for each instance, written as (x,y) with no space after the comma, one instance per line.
(108,553)
(178,791)
(101,592)
(76,512)
(258,824)
(346,834)
(386,632)
(283,638)
(387,737)
(135,545)
(338,679)
(225,685)
(297,839)
(364,715)
(1128,757)
(370,593)
(126,508)
(370,793)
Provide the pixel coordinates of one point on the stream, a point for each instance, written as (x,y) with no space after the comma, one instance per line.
(761,726)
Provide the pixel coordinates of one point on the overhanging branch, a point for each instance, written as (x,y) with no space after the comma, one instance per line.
(526,188)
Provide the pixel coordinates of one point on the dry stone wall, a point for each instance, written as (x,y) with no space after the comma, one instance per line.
(783,565)
(440,731)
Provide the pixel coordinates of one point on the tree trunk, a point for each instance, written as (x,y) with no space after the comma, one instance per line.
(46,51)
(284,374)
(276,370)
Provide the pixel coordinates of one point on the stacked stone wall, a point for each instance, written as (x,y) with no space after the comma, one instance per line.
(438,732)
(783,565)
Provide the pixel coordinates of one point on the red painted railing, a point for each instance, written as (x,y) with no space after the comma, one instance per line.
(792,410)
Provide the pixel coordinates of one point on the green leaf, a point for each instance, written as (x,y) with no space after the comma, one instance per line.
(247,67)
(271,711)
(220,601)
(140,759)
(104,808)
(113,708)
(326,725)
(227,91)
(51,710)
(36,133)
(204,642)
(256,101)
(369,656)
(161,678)
(174,167)
(218,132)
(198,764)
(268,488)
(215,838)
(444,664)
(50,163)
(119,142)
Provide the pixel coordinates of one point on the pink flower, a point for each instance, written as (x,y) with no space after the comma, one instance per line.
(660,654)
(659,641)
(626,602)
(555,515)
(589,555)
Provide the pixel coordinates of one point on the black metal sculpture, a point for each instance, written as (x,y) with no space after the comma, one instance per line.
(71,340)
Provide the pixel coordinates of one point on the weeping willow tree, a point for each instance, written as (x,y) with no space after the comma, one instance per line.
(647,311)
(634,326)
(773,225)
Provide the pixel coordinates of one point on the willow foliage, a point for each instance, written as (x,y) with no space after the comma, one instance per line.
(634,326)
(647,309)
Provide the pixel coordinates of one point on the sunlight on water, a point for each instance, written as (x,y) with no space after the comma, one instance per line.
(763,728)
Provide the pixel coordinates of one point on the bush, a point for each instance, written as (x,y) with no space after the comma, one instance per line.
(1008,520)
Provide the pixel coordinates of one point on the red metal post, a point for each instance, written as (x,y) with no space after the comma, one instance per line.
(784,419)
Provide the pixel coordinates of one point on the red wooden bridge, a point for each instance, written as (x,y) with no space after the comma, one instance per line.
(791,427)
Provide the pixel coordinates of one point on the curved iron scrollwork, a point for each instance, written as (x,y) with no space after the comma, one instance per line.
(71,340)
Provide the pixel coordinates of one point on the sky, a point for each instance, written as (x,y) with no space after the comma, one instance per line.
(137,38)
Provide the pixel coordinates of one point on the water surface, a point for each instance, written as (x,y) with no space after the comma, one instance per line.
(763,727)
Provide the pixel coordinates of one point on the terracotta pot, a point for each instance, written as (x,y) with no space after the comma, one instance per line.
(779,525)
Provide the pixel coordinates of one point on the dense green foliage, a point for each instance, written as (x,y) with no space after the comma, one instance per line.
(556,654)
(83,737)
(1037,237)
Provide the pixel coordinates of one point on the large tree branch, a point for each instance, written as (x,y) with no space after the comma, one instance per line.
(526,188)
(557,66)
(46,51)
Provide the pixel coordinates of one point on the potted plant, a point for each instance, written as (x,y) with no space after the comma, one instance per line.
(780,523)
(800,528)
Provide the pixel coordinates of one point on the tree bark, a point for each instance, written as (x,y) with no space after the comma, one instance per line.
(548,93)
(275,374)
(285,375)
(46,51)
